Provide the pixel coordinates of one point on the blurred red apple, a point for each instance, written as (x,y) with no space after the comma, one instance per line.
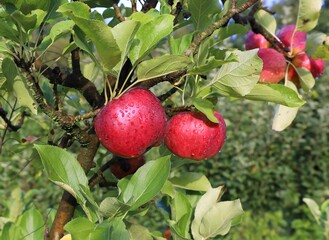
(254,40)
(317,67)
(294,40)
(131,124)
(274,65)
(192,135)
(124,167)
(299,61)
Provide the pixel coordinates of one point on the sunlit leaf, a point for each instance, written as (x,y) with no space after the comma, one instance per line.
(100,34)
(32,224)
(16,84)
(146,182)
(65,171)
(161,66)
(308,14)
(191,181)
(202,12)
(267,20)
(149,35)
(206,107)
(241,76)
(284,115)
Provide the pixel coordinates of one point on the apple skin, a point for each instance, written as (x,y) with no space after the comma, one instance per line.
(131,124)
(317,67)
(192,135)
(301,60)
(124,167)
(254,40)
(274,65)
(297,42)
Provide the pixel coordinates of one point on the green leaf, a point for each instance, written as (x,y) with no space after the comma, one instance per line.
(7,31)
(149,35)
(225,32)
(30,5)
(59,30)
(318,45)
(80,228)
(161,66)
(211,63)
(32,224)
(284,115)
(146,183)
(192,181)
(100,34)
(138,232)
(124,33)
(17,85)
(211,217)
(180,44)
(267,20)
(64,170)
(111,207)
(218,220)
(308,14)
(29,21)
(275,93)
(11,231)
(206,107)
(314,208)
(202,12)
(306,79)
(240,77)
(117,230)
(181,210)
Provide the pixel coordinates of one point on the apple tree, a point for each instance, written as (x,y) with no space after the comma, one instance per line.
(124,95)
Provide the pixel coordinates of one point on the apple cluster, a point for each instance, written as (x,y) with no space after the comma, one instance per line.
(275,64)
(136,121)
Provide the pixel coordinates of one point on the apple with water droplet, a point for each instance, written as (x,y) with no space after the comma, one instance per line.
(317,67)
(131,124)
(192,135)
(123,167)
(274,65)
(255,40)
(294,40)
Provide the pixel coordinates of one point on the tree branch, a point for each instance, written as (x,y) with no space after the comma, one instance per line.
(118,12)
(193,49)
(148,5)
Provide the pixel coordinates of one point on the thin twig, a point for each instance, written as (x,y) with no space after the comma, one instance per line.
(133,6)
(118,12)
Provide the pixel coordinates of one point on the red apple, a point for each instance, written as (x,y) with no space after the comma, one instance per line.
(274,65)
(192,135)
(124,167)
(299,61)
(254,40)
(294,40)
(317,67)
(131,124)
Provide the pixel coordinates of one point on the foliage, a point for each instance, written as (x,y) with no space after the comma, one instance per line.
(48,104)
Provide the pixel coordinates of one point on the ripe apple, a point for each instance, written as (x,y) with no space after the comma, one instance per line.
(192,135)
(301,60)
(124,167)
(294,40)
(274,65)
(317,67)
(131,124)
(254,40)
